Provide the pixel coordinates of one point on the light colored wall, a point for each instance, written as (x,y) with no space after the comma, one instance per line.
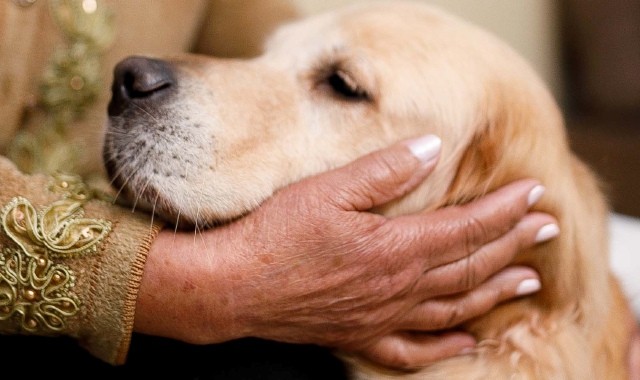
(530,26)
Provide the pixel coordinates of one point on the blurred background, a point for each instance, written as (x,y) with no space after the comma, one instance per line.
(588,52)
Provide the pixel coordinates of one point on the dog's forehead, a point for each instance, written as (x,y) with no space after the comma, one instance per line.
(392,29)
(309,36)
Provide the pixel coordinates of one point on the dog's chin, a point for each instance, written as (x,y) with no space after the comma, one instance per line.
(164,209)
(178,222)
(188,223)
(139,193)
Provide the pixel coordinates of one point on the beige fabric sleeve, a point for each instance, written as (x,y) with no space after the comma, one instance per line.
(70,261)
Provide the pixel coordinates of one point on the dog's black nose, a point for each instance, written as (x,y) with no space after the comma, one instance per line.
(138,78)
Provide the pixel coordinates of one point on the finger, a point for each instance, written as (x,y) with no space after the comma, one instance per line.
(382,176)
(469,272)
(445,313)
(411,351)
(459,231)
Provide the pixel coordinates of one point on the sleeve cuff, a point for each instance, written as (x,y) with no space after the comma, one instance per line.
(71,262)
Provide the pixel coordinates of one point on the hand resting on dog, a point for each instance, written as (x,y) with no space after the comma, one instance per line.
(313,266)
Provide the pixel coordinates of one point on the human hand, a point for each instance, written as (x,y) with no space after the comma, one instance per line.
(311,265)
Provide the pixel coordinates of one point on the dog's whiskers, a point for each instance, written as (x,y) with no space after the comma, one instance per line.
(113,159)
(116,132)
(145,111)
(175,230)
(123,168)
(204,222)
(124,184)
(197,219)
(139,194)
(153,211)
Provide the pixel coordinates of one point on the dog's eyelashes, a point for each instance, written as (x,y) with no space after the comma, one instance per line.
(344,85)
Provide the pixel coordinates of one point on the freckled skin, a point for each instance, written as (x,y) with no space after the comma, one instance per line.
(188,286)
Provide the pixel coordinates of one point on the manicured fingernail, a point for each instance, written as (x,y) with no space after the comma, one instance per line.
(547,232)
(425,148)
(535,194)
(528,286)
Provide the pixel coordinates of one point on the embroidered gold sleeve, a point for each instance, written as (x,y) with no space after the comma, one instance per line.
(36,287)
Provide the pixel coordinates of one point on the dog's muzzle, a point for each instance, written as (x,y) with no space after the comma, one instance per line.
(140,80)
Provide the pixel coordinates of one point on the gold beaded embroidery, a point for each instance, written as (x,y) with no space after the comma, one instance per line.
(72,186)
(35,289)
(70,85)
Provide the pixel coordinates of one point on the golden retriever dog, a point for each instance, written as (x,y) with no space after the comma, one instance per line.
(204,140)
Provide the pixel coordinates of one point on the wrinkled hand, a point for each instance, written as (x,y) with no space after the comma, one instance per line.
(313,266)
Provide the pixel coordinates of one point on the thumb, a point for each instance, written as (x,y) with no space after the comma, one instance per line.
(384,175)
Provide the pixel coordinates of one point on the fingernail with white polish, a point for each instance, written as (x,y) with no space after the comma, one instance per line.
(535,194)
(547,232)
(528,286)
(425,148)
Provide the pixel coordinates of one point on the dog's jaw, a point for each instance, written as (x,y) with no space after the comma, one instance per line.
(151,171)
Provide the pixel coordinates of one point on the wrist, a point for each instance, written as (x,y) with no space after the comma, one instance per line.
(183,293)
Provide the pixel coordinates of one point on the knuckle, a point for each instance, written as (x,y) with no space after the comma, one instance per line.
(452,316)
(402,281)
(475,234)
(512,244)
(390,174)
(370,320)
(476,269)
(364,320)
(398,358)
(517,240)
(469,278)
(470,275)
(482,303)
(495,296)
(389,166)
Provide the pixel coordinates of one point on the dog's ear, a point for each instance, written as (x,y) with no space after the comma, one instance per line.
(522,135)
(474,174)
(519,134)
(483,165)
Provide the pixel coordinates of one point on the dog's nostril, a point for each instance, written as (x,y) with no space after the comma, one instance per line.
(140,82)
(139,78)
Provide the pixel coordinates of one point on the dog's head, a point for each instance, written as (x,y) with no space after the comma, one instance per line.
(206,140)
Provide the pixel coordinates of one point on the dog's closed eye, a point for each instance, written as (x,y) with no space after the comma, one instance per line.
(344,85)
(343,78)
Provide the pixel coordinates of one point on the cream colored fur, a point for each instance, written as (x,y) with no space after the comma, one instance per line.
(240,130)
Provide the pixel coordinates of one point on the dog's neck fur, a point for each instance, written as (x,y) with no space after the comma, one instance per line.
(524,136)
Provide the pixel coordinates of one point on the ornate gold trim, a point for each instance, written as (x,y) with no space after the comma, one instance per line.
(36,290)
(70,85)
